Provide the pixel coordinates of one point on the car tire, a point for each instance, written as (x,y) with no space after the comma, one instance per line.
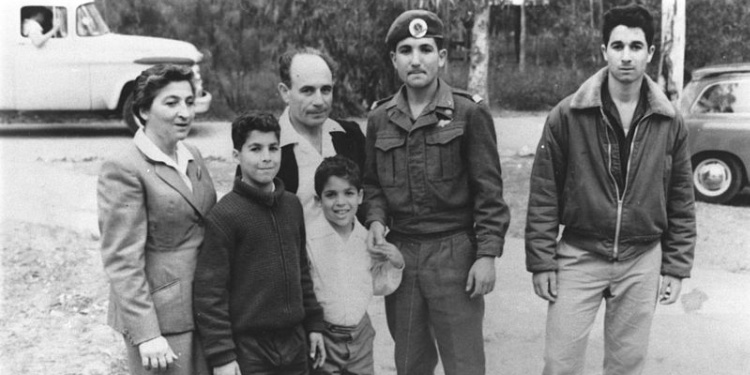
(717,178)
(127,115)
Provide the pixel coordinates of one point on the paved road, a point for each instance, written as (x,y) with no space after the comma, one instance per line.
(47,178)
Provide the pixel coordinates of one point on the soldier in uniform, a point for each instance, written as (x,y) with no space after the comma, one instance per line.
(432,177)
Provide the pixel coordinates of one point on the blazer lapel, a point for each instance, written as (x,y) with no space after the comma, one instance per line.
(170,176)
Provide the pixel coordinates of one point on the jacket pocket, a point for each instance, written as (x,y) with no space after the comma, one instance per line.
(173,309)
(390,155)
(443,152)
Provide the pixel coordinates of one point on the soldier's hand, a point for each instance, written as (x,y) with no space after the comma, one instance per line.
(481,278)
(376,234)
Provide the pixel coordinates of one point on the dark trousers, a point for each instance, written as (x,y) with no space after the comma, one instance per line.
(278,352)
(349,349)
(432,306)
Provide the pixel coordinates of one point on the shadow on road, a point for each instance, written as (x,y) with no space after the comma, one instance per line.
(741,200)
(62,130)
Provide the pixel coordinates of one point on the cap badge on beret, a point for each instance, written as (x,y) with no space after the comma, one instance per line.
(418,28)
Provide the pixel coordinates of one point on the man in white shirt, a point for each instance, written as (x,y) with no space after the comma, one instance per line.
(34,17)
(308,134)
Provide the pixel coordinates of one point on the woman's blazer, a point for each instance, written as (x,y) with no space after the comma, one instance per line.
(151,226)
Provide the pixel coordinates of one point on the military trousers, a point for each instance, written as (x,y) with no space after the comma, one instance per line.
(431,312)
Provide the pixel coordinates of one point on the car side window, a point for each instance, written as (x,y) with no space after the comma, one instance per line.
(39,20)
(725,97)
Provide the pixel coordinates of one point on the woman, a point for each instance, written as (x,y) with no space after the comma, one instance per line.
(152,198)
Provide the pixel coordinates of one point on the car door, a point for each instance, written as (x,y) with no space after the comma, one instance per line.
(54,76)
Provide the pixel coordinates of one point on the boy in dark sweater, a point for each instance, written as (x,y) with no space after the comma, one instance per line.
(255,308)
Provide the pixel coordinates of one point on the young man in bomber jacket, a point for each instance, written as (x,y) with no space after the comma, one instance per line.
(613,168)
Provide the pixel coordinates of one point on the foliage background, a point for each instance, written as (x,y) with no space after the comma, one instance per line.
(242,39)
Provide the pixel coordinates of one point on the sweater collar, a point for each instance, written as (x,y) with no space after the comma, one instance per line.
(589,95)
(267,198)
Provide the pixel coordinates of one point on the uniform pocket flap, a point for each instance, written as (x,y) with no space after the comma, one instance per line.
(388,142)
(445,135)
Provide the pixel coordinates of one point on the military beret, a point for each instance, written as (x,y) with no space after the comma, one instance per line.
(417,23)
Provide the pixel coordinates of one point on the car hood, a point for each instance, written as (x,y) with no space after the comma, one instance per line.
(153,49)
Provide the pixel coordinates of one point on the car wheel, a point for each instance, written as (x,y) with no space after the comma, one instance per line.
(717,178)
(127,115)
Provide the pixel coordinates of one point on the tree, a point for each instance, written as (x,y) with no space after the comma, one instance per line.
(522,39)
(672,57)
(480,51)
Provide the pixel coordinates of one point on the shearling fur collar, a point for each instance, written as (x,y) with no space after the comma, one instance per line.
(589,95)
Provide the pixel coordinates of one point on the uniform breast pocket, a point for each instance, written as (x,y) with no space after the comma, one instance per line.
(444,152)
(390,155)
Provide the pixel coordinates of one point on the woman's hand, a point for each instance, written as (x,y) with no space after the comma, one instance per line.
(156,354)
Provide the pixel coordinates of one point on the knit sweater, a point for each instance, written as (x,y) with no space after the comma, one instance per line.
(252,273)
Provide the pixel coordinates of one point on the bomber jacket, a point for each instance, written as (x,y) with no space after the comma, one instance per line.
(252,273)
(438,173)
(573,184)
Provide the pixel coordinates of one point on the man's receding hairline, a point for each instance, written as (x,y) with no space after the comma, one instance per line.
(293,73)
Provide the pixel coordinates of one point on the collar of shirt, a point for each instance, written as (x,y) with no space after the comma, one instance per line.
(441,104)
(290,136)
(321,228)
(443,99)
(308,159)
(149,148)
(610,109)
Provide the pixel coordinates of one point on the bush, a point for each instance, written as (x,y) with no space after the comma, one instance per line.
(537,88)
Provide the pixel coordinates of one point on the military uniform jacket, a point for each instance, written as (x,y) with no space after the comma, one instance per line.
(438,173)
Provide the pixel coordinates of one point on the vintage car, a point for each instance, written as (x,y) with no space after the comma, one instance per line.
(716,108)
(84,66)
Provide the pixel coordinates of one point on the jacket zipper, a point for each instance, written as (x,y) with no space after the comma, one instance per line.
(618,222)
(283,262)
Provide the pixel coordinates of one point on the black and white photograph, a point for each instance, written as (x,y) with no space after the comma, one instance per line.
(392,187)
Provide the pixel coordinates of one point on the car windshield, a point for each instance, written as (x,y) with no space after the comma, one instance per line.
(89,21)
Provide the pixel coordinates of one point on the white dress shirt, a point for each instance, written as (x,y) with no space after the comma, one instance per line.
(150,149)
(308,159)
(344,276)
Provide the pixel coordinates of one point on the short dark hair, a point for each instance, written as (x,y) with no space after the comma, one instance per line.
(339,166)
(247,122)
(285,62)
(31,11)
(152,80)
(630,16)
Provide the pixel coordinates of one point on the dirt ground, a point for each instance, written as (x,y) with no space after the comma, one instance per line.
(54,292)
